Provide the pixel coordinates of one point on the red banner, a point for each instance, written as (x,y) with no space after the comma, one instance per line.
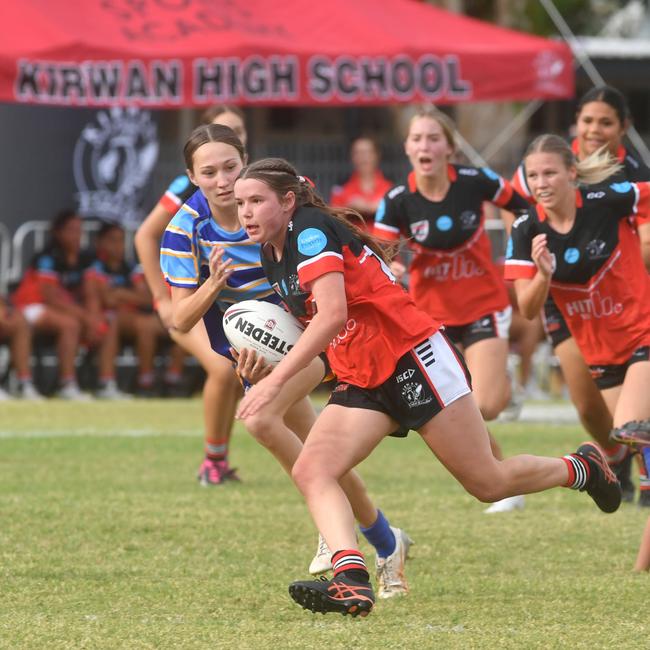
(171,53)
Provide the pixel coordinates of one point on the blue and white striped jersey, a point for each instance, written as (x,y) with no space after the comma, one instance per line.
(186,246)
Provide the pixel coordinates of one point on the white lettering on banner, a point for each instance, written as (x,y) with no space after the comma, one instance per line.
(345,332)
(146,82)
(349,79)
(458,268)
(91,83)
(596,306)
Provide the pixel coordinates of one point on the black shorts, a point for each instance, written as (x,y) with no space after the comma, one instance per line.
(426,379)
(555,326)
(491,326)
(614,375)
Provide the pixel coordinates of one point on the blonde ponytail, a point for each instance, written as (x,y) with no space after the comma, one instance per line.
(594,169)
(597,167)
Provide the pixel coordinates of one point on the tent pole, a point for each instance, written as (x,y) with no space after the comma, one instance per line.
(590,69)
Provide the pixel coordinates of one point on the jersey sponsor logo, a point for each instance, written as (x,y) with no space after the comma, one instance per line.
(407,374)
(346,332)
(571,255)
(468,219)
(413,394)
(595,195)
(621,188)
(519,220)
(396,191)
(311,241)
(596,306)
(420,230)
(381,211)
(468,171)
(596,249)
(444,223)
(113,160)
(492,175)
(179,184)
(458,267)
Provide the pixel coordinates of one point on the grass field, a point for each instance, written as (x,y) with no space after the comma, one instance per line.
(107,541)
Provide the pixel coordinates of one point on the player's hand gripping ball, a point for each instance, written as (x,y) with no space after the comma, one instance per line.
(261,326)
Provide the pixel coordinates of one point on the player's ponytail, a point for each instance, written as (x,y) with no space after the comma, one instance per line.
(594,169)
(281,176)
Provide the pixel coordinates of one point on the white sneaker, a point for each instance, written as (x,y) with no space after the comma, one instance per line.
(28,391)
(110,391)
(4,395)
(322,561)
(390,570)
(506,505)
(71,391)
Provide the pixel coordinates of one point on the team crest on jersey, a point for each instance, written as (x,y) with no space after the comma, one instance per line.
(596,249)
(420,230)
(113,160)
(468,219)
(413,394)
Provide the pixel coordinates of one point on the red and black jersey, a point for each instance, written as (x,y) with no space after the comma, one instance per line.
(50,267)
(383,322)
(634,170)
(452,275)
(599,282)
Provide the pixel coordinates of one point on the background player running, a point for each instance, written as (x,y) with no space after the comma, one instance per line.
(602,119)
(580,246)
(221,388)
(452,275)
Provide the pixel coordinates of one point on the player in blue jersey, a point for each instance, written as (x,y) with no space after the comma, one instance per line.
(210,263)
(221,385)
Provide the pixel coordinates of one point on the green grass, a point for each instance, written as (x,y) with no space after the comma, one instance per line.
(106,541)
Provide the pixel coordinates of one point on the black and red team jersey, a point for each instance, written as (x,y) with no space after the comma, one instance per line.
(50,267)
(383,322)
(599,283)
(634,170)
(452,275)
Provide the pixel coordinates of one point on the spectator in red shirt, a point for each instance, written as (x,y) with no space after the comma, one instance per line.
(366,187)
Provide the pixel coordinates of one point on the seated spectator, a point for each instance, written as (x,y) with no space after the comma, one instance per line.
(50,296)
(367,186)
(16,333)
(116,291)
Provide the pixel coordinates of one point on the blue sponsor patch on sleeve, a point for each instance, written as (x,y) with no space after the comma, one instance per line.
(179,184)
(381,211)
(311,241)
(45,263)
(621,188)
(490,174)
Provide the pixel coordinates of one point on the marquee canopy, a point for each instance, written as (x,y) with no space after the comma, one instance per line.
(172,53)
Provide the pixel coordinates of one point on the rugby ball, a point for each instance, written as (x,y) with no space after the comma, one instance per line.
(261,326)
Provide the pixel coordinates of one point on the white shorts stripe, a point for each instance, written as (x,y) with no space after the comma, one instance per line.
(445,372)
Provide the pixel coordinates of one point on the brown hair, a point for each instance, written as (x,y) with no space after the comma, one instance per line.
(210,114)
(594,169)
(211,133)
(446,123)
(281,177)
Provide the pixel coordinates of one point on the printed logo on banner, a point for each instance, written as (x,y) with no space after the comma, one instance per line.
(113,160)
(549,67)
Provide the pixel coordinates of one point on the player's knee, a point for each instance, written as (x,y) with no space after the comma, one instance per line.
(303,473)
(486,490)
(263,427)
